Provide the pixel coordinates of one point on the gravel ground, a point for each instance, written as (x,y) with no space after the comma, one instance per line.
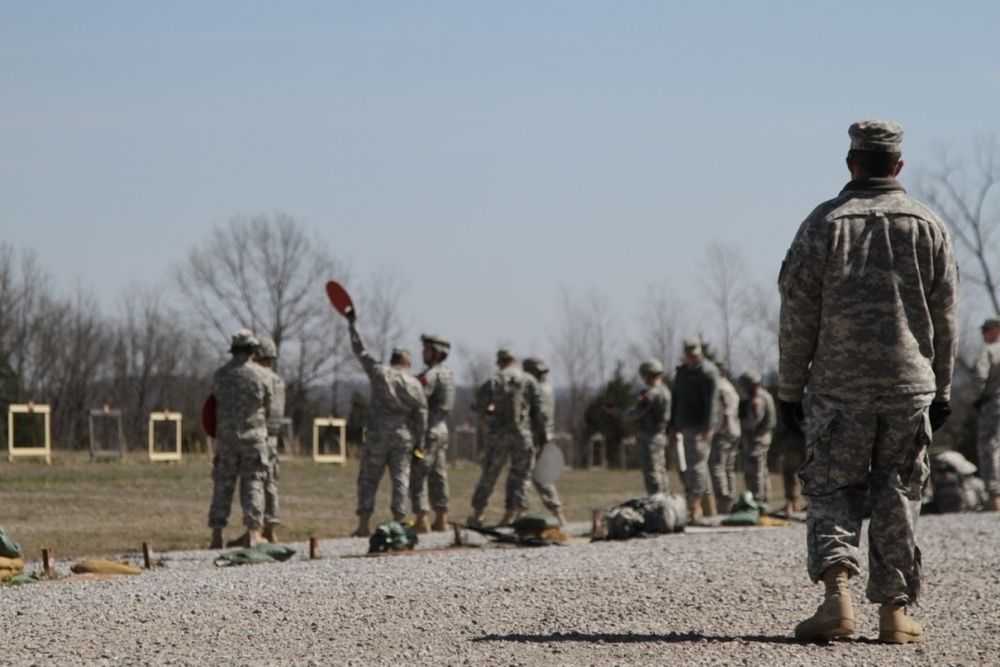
(700,598)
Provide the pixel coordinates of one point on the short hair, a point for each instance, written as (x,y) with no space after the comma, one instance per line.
(875,163)
(398,358)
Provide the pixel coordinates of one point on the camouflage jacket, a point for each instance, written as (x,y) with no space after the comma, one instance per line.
(758,417)
(547,402)
(985,381)
(397,406)
(511,401)
(439,388)
(243,400)
(651,411)
(729,405)
(869,292)
(277,411)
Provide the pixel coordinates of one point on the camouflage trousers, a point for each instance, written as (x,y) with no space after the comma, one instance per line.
(653,461)
(500,446)
(793,455)
(379,452)
(271,483)
(755,473)
(547,492)
(848,455)
(246,463)
(722,465)
(988,445)
(429,475)
(696,451)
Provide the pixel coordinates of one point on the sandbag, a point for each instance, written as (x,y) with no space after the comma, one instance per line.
(99,566)
(391,536)
(534,523)
(746,511)
(11,563)
(9,548)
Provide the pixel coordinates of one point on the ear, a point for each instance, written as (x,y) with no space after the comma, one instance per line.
(850,165)
(899,167)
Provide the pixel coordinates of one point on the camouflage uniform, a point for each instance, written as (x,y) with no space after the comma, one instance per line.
(277,411)
(397,422)
(650,415)
(243,397)
(869,294)
(510,433)
(695,410)
(430,474)
(757,420)
(725,445)
(547,403)
(986,385)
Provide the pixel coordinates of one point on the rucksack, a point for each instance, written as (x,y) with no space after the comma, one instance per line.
(507,390)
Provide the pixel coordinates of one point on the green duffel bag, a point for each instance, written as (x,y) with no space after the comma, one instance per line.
(9,548)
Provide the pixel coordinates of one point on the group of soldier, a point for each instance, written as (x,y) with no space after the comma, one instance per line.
(867,348)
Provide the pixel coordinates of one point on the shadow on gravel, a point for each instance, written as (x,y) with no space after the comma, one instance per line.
(631,638)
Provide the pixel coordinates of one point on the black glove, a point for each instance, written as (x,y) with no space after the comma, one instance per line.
(793,415)
(939,413)
(979,403)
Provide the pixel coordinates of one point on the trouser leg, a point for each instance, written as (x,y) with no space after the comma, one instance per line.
(494,459)
(522,464)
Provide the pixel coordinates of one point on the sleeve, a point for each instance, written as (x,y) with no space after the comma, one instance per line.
(417,403)
(801,286)
(367,362)
(943,304)
(484,398)
(980,373)
(277,410)
(712,396)
(643,405)
(537,412)
(770,418)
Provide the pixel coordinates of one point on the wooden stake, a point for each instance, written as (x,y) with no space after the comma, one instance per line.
(595,522)
(147,555)
(48,562)
(313,548)
(458,534)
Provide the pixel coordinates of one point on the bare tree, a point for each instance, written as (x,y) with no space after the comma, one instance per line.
(726,288)
(759,345)
(585,349)
(965,193)
(268,274)
(380,309)
(660,324)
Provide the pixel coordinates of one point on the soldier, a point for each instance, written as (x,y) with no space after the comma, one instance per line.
(986,384)
(538,368)
(267,353)
(397,424)
(757,421)
(511,403)
(725,443)
(694,413)
(650,415)
(243,399)
(430,473)
(868,341)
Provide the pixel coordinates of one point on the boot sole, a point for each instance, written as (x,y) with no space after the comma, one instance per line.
(829,630)
(899,638)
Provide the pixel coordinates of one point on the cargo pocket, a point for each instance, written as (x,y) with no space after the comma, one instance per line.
(916,469)
(815,472)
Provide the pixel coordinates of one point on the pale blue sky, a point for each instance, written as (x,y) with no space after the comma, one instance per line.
(491,152)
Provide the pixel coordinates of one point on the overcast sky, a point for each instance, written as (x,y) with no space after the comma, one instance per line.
(491,153)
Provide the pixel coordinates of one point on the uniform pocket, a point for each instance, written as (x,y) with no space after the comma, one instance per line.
(815,472)
(917,469)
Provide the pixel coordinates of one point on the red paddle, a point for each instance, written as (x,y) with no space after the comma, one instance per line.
(208,415)
(340,299)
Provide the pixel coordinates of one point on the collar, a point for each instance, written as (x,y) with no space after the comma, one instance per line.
(882,184)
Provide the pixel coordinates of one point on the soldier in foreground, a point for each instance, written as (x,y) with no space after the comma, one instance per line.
(650,415)
(243,399)
(397,424)
(986,384)
(757,422)
(538,368)
(511,403)
(429,475)
(868,341)
(725,444)
(694,413)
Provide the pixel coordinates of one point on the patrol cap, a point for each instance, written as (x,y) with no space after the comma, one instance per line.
(436,342)
(506,354)
(692,345)
(651,365)
(400,353)
(883,136)
(536,365)
(243,338)
(266,349)
(750,378)
(991,323)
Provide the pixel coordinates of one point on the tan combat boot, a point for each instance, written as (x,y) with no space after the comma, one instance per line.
(694,507)
(440,521)
(269,535)
(835,617)
(993,504)
(508,517)
(363,529)
(708,505)
(476,520)
(895,626)
(558,514)
(789,508)
(216,539)
(725,505)
(422,524)
(247,540)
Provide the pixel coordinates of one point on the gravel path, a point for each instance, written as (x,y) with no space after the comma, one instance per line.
(700,598)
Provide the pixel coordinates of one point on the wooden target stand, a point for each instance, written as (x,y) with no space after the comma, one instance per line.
(14,450)
(320,428)
(174,419)
(106,429)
